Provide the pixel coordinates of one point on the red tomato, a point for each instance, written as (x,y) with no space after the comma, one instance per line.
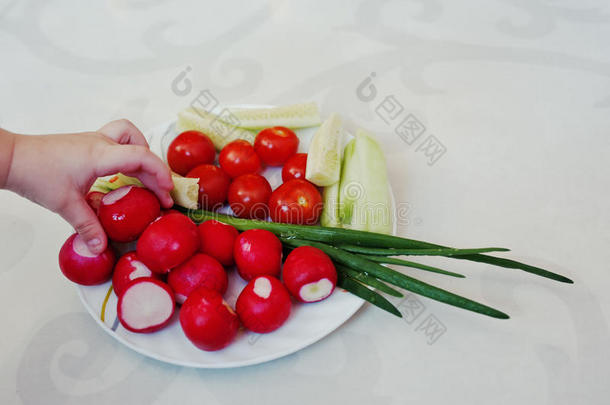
(248,196)
(294,168)
(238,157)
(213,185)
(189,150)
(276,145)
(296,202)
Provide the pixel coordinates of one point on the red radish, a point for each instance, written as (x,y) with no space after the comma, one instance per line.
(94,199)
(127,269)
(263,305)
(81,266)
(146,305)
(199,271)
(257,252)
(217,240)
(127,211)
(208,321)
(309,274)
(168,242)
(170,211)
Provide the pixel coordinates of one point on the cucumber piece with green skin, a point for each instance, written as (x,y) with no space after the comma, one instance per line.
(364,194)
(324,157)
(330,211)
(291,116)
(219,132)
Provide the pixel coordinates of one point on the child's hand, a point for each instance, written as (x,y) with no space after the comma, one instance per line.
(56,171)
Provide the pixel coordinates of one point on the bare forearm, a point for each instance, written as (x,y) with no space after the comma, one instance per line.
(7,147)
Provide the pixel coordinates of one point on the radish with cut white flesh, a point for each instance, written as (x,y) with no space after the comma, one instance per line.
(168,242)
(263,305)
(127,269)
(94,199)
(309,274)
(81,266)
(208,321)
(126,212)
(146,305)
(200,270)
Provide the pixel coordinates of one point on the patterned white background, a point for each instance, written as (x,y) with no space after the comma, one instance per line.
(517,91)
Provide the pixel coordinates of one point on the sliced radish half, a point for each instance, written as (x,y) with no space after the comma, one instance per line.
(127,269)
(146,305)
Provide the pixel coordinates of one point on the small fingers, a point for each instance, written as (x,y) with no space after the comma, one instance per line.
(138,161)
(124,132)
(80,215)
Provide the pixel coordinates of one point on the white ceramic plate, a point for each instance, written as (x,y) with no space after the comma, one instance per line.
(307,324)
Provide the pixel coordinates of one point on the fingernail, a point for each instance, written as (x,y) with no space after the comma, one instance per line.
(94,244)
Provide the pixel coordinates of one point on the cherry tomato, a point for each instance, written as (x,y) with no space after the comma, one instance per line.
(189,150)
(296,202)
(294,168)
(238,157)
(248,196)
(213,185)
(276,145)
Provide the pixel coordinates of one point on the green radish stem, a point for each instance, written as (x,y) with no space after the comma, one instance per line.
(337,236)
(365,293)
(418,252)
(398,279)
(407,263)
(364,278)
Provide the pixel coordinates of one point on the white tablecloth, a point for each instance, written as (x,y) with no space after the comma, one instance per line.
(494,117)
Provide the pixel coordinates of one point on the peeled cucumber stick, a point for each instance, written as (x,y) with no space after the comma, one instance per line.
(185,192)
(364,193)
(330,210)
(219,132)
(291,116)
(324,155)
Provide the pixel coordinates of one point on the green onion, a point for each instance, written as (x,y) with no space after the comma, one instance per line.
(398,279)
(418,252)
(365,293)
(407,263)
(364,278)
(338,236)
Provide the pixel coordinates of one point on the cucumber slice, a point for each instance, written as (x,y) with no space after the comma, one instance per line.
(324,157)
(364,190)
(185,192)
(108,183)
(217,130)
(330,211)
(291,116)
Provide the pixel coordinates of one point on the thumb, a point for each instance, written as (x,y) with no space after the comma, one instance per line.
(80,215)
